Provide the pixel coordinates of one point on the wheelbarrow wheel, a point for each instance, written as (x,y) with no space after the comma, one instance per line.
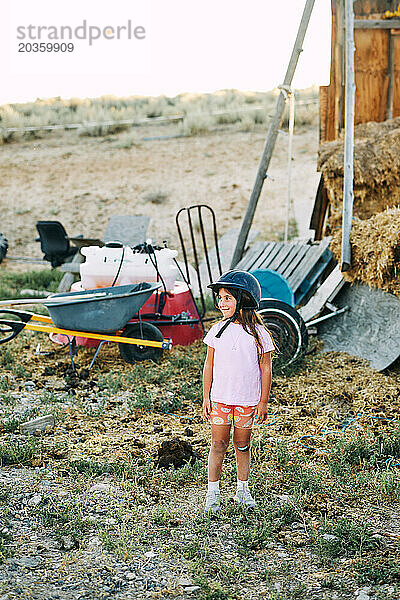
(133,353)
(288,330)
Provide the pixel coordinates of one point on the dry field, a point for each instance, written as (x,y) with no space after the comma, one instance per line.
(83,181)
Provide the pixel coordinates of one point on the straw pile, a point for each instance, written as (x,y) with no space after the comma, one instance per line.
(375,247)
(376,170)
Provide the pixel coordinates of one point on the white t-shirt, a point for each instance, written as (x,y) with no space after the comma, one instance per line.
(236,372)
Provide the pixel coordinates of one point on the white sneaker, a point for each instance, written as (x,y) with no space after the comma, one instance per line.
(212,502)
(244,497)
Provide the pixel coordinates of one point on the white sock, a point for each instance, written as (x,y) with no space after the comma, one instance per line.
(242,485)
(213,486)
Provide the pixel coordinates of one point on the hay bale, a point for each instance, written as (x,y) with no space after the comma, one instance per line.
(375,248)
(376,171)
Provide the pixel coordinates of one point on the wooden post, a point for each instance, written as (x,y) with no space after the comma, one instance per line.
(69,278)
(389,107)
(272,135)
(347,215)
(289,183)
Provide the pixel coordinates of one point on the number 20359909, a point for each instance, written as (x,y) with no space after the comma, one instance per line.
(45,47)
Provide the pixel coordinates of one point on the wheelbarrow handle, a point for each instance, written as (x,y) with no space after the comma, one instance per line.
(15,326)
(24,315)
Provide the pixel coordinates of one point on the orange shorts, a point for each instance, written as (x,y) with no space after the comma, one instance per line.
(226,414)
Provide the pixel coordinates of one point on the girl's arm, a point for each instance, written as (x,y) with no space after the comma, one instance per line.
(266,377)
(207,381)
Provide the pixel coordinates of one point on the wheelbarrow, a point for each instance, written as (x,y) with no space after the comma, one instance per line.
(96,314)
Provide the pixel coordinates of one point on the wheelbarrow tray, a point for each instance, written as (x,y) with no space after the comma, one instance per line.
(99,311)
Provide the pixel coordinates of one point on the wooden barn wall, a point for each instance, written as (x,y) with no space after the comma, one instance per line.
(370,66)
(371,70)
(396,86)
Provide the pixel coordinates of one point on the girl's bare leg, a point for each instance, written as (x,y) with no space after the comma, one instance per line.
(241,441)
(220,435)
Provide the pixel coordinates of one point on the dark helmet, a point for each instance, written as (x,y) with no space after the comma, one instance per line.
(244,282)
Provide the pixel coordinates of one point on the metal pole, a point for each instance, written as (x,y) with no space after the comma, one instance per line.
(349,139)
(290,143)
(272,134)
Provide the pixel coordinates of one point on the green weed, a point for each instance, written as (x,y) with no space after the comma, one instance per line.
(66,518)
(7,358)
(120,541)
(141,398)
(255,530)
(299,477)
(192,391)
(349,539)
(156,197)
(362,451)
(11,283)
(15,453)
(189,473)
(7,399)
(12,423)
(5,539)
(112,382)
(378,570)
(168,404)
(49,397)
(388,484)
(5,535)
(123,469)
(4,385)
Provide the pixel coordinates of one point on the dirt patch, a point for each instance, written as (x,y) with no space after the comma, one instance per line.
(82,182)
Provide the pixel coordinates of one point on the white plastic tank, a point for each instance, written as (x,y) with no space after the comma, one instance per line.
(119,265)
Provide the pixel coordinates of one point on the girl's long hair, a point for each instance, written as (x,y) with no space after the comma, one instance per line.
(248,318)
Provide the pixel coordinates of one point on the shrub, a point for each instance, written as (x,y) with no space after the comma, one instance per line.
(14,453)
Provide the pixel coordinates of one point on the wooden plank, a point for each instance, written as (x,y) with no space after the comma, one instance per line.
(255,251)
(280,257)
(320,208)
(376,23)
(367,8)
(323,111)
(68,279)
(307,263)
(396,76)
(256,260)
(226,245)
(301,251)
(335,91)
(325,293)
(347,217)
(266,259)
(389,99)
(370,75)
(289,257)
(303,267)
(70,267)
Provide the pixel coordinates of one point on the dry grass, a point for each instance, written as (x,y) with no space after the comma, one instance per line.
(198,113)
(375,245)
(376,170)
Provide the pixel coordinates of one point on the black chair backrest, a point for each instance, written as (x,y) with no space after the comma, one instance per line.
(54,242)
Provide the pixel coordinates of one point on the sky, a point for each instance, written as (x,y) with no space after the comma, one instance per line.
(175,46)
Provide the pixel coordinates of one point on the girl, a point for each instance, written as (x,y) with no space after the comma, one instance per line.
(236,379)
